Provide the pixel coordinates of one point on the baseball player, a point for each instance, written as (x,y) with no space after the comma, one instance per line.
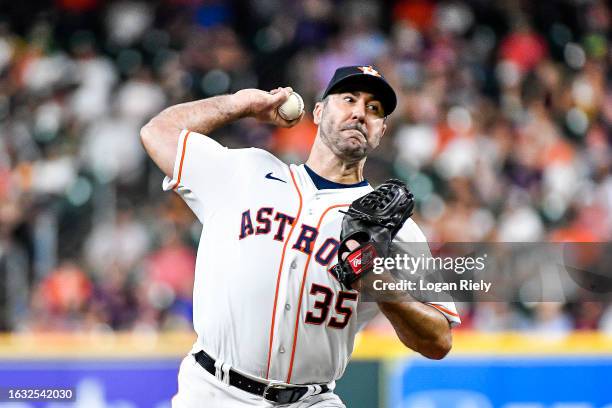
(274,326)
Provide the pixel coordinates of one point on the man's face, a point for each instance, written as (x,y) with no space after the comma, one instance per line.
(351,124)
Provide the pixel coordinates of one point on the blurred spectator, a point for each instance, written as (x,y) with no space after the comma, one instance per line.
(523,47)
(121,244)
(109,150)
(494,317)
(172,265)
(549,318)
(61,299)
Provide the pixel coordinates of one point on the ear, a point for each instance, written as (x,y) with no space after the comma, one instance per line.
(317,112)
(382,132)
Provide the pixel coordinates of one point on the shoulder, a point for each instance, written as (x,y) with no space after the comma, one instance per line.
(255,153)
(205,142)
(254,158)
(240,157)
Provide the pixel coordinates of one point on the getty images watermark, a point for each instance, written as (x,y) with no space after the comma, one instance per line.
(505,272)
(411,265)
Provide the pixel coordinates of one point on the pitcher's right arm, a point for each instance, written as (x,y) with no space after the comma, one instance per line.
(161,134)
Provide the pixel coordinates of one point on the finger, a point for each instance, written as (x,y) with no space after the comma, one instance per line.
(286,90)
(352,245)
(293,122)
(280,96)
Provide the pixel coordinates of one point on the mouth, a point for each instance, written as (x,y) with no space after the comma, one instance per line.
(356,134)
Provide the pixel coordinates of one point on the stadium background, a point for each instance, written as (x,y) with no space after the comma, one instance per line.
(503,132)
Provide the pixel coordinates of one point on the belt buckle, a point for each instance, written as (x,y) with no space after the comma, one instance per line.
(287,398)
(272,386)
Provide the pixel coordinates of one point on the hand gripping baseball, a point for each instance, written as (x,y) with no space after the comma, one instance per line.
(372,221)
(263,105)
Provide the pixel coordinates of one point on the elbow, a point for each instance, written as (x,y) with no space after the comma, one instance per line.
(146,132)
(159,127)
(437,349)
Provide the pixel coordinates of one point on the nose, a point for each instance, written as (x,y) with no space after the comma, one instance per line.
(359,111)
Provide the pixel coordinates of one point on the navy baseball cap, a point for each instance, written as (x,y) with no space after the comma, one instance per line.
(363,78)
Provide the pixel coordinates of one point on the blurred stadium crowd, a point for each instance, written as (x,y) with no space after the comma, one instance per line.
(503,132)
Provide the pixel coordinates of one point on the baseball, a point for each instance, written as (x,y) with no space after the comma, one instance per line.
(292,108)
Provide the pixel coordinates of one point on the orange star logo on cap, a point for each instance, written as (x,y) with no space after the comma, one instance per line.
(369,71)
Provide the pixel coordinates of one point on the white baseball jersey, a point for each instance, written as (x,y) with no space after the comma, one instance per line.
(264,301)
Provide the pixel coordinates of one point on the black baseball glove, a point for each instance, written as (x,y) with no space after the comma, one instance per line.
(373,221)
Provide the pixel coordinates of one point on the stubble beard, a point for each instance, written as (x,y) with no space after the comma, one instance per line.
(339,144)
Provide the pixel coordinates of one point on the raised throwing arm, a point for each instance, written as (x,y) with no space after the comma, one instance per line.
(160,135)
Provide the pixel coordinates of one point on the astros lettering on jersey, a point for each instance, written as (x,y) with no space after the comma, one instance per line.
(264,301)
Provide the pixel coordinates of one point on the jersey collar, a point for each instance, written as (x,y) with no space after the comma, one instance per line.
(325,184)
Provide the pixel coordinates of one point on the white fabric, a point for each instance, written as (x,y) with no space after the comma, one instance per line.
(199,389)
(236,279)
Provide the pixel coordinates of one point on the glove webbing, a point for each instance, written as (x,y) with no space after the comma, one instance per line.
(368,218)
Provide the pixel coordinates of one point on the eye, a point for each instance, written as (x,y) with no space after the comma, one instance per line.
(374,107)
(349,98)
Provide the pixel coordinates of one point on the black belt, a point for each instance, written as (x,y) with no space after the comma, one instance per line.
(284,394)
